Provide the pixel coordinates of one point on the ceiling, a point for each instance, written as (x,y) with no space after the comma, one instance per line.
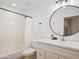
(23,5)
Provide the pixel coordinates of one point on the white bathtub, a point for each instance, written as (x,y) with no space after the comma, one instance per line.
(12,55)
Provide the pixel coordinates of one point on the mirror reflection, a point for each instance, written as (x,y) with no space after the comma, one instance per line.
(65,20)
(71,25)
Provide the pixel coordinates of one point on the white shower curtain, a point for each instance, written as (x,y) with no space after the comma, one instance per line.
(12,28)
(28,32)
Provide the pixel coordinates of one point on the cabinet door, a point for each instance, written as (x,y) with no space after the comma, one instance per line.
(40,54)
(50,55)
(61,57)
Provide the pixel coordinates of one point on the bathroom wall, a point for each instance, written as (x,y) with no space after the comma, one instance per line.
(35,30)
(42,14)
(75,36)
(12,28)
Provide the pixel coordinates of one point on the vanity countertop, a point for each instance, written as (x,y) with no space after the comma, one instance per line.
(63,44)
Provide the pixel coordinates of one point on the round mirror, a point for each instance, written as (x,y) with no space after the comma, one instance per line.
(65,20)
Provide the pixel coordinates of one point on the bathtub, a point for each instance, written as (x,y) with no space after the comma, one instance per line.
(12,55)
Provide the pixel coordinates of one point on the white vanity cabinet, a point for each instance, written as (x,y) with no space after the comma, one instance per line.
(48,51)
(50,55)
(40,54)
(43,54)
(62,57)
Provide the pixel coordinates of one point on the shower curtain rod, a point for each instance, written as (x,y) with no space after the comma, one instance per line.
(15,12)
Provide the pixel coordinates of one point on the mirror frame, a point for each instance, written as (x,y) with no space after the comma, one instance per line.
(54,13)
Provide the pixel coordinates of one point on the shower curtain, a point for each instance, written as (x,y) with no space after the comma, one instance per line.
(12,31)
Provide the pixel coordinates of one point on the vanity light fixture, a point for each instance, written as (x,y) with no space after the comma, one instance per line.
(13,4)
(61,1)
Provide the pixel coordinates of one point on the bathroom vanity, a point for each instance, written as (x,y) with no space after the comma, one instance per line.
(54,49)
(64,22)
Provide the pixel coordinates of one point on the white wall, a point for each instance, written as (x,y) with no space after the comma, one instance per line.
(42,14)
(74,37)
